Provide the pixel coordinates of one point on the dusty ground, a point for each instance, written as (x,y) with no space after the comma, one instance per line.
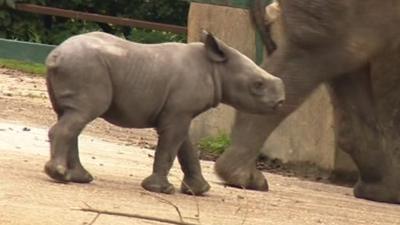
(119,160)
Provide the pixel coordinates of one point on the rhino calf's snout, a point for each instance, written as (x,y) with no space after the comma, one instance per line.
(278,105)
(277,93)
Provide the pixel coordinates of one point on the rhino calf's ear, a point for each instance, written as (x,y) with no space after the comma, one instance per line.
(203,35)
(215,49)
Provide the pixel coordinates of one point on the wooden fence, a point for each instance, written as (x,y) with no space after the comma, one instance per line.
(44,10)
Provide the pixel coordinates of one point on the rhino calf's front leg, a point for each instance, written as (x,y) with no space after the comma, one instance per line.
(193,182)
(172,133)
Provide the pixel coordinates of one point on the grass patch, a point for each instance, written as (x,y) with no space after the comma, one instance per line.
(215,144)
(26,67)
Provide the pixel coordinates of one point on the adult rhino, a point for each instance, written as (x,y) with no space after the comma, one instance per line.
(139,85)
(347,44)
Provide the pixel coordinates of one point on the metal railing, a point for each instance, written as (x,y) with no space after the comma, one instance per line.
(45,10)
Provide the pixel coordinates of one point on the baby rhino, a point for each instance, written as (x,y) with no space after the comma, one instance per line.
(148,85)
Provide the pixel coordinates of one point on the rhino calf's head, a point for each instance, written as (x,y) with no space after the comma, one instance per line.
(244,85)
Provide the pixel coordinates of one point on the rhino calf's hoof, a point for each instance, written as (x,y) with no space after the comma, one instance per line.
(61,173)
(159,184)
(194,186)
(57,172)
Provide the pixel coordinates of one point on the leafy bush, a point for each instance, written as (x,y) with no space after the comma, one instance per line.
(53,30)
(215,144)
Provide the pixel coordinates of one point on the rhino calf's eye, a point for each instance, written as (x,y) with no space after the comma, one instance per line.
(257,88)
(259,84)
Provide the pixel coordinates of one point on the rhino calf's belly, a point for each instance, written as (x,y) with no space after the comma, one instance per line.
(132,118)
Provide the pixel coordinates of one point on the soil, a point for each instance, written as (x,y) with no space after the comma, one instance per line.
(120,158)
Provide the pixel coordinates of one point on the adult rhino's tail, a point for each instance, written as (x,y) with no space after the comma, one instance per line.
(52,62)
(257,12)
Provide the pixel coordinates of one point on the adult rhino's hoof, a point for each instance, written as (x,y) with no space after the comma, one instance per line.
(379,191)
(159,184)
(257,181)
(194,186)
(61,173)
(241,177)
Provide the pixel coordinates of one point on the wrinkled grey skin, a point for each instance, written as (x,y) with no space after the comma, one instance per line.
(136,85)
(315,41)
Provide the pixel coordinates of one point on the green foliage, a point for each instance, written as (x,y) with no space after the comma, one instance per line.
(27,67)
(53,30)
(216,144)
(153,36)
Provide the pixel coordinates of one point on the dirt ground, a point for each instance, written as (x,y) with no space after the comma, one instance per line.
(120,158)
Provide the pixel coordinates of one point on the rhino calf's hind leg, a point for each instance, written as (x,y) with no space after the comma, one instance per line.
(193,181)
(64,164)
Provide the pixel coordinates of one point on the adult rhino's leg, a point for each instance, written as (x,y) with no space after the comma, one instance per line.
(193,181)
(172,131)
(361,136)
(237,165)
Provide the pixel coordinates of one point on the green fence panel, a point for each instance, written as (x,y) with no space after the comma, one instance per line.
(24,51)
(231,3)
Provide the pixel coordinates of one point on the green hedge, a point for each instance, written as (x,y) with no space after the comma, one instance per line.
(53,30)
